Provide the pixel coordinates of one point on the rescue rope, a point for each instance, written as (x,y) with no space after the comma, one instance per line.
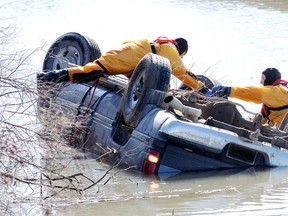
(94,86)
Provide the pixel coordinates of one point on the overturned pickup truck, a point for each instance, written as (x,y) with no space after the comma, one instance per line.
(137,123)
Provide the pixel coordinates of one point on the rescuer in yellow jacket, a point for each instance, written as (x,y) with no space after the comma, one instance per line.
(273,95)
(125,59)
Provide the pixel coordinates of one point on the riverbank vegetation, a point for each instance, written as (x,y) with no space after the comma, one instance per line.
(32,169)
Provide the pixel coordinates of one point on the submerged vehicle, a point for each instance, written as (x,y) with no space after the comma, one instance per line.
(139,124)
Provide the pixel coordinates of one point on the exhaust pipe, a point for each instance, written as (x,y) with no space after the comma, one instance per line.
(176,104)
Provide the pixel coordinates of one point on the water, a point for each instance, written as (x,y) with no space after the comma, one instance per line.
(248,192)
(232,41)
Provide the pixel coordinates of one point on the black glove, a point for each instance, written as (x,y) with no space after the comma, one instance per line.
(56,76)
(87,77)
(221,91)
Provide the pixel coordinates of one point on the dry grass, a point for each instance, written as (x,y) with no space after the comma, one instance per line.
(30,167)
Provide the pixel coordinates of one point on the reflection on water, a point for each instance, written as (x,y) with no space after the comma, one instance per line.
(235,191)
(230,192)
(230,40)
(227,192)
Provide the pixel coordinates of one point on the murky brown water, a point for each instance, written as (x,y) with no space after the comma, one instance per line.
(231,40)
(247,192)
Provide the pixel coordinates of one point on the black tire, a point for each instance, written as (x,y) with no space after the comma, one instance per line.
(209,82)
(153,72)
(69,50)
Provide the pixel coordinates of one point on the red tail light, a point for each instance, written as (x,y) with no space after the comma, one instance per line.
(150,163)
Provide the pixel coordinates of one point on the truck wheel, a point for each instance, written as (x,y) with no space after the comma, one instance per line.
(70,49)
(153,72)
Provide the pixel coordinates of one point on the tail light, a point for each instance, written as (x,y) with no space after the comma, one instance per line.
(150,163)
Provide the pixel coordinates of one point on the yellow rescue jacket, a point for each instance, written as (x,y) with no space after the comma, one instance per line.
(125,59)
(271,96)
